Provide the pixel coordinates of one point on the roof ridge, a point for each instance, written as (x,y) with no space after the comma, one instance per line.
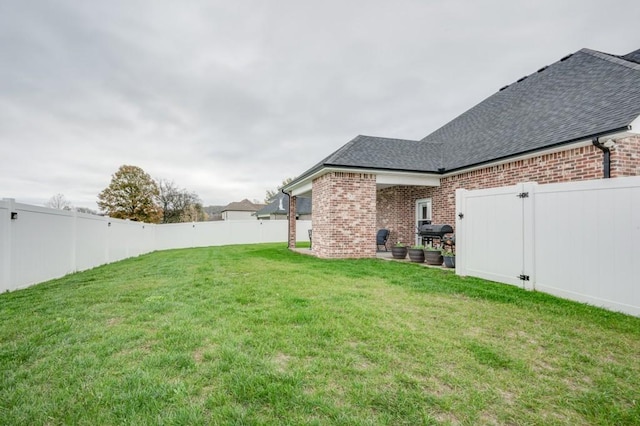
(611,58)
(390,139)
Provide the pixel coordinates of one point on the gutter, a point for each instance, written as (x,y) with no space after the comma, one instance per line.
(606,155)
(288,216)
(594,136)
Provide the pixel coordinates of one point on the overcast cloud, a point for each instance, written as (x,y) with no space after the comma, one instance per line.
(228,98)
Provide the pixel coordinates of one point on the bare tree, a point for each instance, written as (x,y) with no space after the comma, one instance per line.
(59,202)
(272,193)
(179,205)
(86,210)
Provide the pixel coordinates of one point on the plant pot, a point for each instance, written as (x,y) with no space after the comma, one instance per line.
(450,261)
(433,257)
(399,252)
(416,255)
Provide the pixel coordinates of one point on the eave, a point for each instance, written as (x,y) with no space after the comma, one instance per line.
(549,149)
(384,178)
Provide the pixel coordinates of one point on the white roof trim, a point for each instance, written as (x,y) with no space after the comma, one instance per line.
(393,179)
(635,126)
(301,189)
(383,178)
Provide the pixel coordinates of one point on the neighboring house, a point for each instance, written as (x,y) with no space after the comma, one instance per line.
(214,213)
(576,119)
(278,209)
(240,210)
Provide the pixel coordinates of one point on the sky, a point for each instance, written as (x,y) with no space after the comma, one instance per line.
(228,98)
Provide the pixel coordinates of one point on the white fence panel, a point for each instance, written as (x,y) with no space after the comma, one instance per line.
(6,269)
(42,244)
(91,241)
(588,242)
(204,234)
(173,235)
(118,240)
(302,230)
(581,240)
(491,245)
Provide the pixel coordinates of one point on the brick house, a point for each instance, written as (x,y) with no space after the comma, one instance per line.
(576,119)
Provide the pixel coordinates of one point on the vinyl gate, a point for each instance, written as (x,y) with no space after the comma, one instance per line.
(577,240)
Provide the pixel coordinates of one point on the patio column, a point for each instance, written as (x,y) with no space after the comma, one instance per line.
(344,215)
(292,221)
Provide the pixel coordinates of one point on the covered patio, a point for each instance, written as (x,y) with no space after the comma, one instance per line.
(351,205)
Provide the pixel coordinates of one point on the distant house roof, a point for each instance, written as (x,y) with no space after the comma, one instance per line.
(243,206)
(583,95)
(280,206)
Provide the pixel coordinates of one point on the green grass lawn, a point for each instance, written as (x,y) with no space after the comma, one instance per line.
(260,335)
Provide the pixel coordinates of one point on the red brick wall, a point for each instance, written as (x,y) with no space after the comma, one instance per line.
(347,209)
(396,205)
(292,221)
(625,157)
(396,208)
(571,165)
(344,215)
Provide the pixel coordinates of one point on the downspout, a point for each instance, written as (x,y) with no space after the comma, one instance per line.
(606,156)
(288,217)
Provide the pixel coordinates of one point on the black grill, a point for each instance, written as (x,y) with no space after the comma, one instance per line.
(432,234)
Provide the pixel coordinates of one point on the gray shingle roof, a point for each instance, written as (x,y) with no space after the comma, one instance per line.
(633,56)
(385,153)
(382,153)
(242,206)
(303,206)
(583,95)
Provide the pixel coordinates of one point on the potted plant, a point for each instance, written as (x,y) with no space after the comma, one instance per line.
(433,255)
(399,251)
(416,253)
(449,258)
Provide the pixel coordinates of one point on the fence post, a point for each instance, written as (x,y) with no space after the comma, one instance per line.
(461,263)
(528,234)
(6,270)
(74,241)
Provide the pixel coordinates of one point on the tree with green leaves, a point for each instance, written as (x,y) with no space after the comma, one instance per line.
(132,194)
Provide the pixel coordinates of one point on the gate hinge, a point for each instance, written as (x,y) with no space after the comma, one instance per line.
(460,215)
(523,195)
(523,277)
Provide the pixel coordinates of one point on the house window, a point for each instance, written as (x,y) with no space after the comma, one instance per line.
(423,214)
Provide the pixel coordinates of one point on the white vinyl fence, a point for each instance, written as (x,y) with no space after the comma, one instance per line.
(577,240)
(38,244)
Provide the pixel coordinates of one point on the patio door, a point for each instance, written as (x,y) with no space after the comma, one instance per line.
(423,214)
